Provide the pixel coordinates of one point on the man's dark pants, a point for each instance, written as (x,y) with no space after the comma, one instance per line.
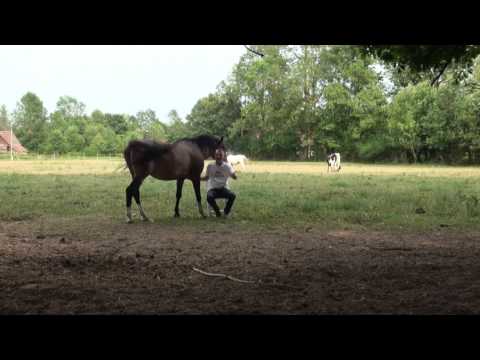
(222,193)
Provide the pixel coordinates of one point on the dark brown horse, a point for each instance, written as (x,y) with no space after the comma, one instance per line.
(183,159)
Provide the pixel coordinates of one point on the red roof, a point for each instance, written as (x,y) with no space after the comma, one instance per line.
(5,143)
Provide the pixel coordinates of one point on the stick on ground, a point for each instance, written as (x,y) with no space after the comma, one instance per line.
(221,275)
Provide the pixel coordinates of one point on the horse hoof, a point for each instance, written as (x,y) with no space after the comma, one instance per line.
(147,220)
(176,215)
(129,221)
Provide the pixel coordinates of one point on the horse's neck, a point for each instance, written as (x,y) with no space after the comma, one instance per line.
(205,153)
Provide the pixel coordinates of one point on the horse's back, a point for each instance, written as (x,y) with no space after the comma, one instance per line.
(182,161)
(138,154)
(146,150)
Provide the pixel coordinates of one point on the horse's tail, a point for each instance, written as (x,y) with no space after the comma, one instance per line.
(127,155)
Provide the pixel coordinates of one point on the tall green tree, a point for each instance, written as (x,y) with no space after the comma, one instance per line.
(176,129)
(117,122)
(56,142)
(30,119)
(158,132)
(454,124)
(97,117)
(409,120)
(263,92)
(70,107)
(150,125)
(4,121)
(215,113)
(76,140)
(334,82)
(430,62)
(146,119)
(370,134)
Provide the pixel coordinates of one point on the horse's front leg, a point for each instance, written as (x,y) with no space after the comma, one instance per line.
(196,187)
(179,196)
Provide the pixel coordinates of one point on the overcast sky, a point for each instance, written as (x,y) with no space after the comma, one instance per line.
(116,79)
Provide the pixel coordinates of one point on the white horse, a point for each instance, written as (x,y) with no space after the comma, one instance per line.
(237,159)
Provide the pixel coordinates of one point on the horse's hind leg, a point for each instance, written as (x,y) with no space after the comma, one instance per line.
(136,195)
(196,187)
(129,195)
(134,190)
(179,196)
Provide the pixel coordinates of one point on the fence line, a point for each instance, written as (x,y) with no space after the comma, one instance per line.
(56,156)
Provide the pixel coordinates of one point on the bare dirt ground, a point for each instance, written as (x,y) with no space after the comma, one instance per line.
(103,268)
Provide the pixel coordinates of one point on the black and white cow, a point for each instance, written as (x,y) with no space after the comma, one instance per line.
(333,162)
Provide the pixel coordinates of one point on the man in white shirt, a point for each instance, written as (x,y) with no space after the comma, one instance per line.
(217,177)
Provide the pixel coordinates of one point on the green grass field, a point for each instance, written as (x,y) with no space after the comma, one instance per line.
(278,194)
(307,241)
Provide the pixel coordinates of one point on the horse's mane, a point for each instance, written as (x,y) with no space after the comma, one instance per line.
(153,149)
(202,140)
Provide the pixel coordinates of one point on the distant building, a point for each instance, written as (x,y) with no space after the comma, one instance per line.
(6,143)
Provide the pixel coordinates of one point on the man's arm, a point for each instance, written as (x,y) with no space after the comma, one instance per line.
(231,172)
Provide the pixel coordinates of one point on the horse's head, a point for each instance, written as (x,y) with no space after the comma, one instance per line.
(220,144)
(208,144)
(330,159)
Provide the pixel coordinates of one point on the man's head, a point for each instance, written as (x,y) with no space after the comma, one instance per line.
(219,156)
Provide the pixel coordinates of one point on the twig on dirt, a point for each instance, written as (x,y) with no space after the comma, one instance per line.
(222,275)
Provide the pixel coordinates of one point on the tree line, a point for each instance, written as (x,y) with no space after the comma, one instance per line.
(69,130)
(297,102)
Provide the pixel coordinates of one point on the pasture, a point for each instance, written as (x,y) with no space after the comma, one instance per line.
(375,239)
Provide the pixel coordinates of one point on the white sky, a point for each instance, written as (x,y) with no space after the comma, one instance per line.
(116,79)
